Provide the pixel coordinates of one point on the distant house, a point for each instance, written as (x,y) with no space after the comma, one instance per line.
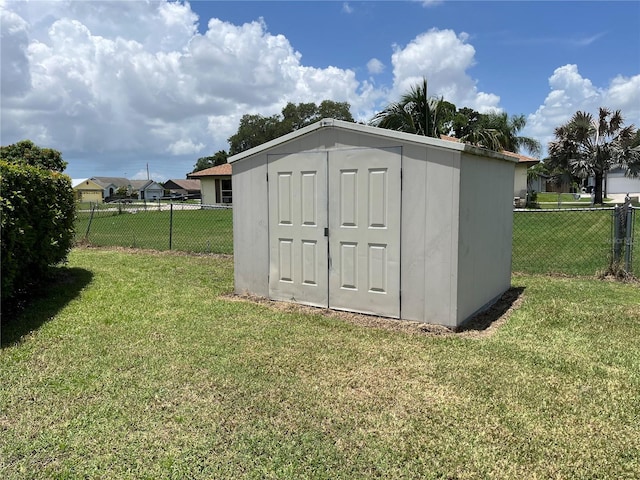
(615,182)
(110,185)
(179,187)
(147,189)
(216,184)
(555,184)
(520,179)
(539,183)
(618,182)
(86,190)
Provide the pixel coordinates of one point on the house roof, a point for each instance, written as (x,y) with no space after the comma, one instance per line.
(142,184)
(330,123)
(521,158)
(106,181)
(218,170)
(139,184)
(76,182)
(185,184)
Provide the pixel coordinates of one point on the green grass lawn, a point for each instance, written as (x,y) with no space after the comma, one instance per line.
(137,365)
(547,197)
(575,242)
(569,242)
(209,231)
(567,200)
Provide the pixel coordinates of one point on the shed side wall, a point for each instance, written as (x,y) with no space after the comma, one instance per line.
(412,235)
(441,236)
(486,228)
(251,226)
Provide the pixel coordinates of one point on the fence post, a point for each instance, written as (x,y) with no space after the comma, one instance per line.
(170,225)
(93,209)
(623,235)
(628,240)
(618,234)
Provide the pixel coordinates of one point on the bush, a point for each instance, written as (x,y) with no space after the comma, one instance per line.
(37,218)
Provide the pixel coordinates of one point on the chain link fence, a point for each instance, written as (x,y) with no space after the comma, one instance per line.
(635,266)
(581,241)
(188,227)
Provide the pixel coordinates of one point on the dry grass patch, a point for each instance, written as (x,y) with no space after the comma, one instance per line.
(480,325)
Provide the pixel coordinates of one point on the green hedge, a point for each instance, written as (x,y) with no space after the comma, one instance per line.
(37,225)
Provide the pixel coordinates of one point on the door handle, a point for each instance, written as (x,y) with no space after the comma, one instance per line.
(326,232)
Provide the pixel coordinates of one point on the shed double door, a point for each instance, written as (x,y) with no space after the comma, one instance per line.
(334,229)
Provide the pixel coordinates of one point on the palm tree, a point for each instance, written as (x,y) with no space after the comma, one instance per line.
(420,114)
(507,130)
(587,146)
(414,113)
(495,131)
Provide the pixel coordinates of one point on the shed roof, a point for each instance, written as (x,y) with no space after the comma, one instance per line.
(218,170)
(521,158)
(330,123)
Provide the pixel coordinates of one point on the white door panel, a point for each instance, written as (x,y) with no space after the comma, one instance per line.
(298,269)
(356,194)
(364,230)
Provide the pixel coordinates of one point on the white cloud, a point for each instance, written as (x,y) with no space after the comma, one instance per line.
(375,66)
(135,80)
(443,58)
(624,94)
(15,64)
(347,8)
(87,77)
(185,147)
(119,84)
(571,92)
(153,175)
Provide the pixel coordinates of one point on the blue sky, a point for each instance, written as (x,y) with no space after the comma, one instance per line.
(117,85)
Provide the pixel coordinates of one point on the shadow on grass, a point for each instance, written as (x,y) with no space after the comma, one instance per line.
(28,313)
(492,317)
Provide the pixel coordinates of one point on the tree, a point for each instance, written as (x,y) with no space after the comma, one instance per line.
(414,113)
(37,212)
(588,146)
(255,130)
(335,110)
(472,127)
(495,131)
(25,152)
(507,132)
(445,117)
(219,158)
(420,114)
(295,117)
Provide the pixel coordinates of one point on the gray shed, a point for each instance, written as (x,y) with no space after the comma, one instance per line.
(358,218)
